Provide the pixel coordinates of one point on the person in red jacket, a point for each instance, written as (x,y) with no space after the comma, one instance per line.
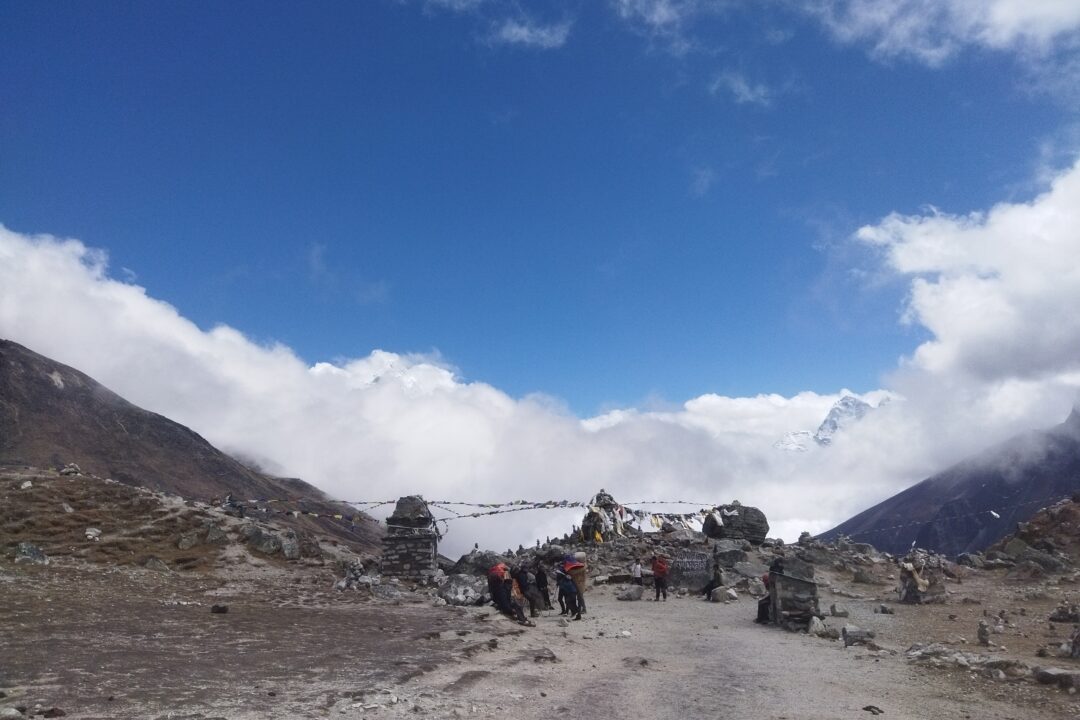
(660,570)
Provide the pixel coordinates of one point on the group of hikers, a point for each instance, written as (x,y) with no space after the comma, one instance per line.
(513,587)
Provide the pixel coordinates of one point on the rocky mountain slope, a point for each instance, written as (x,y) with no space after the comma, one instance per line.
(978,501)
(52,415)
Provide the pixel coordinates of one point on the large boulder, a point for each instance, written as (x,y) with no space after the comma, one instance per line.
(477,562)
(464,590)
(290,545)
(738,522)
(634,592)
(260,540)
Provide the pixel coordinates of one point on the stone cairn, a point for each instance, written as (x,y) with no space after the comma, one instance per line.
(411,543)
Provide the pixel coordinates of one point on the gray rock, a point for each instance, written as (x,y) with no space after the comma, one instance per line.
(750,569)
(386,592)
(634,592)
(463,590)
(740,522)
(854,635)
(71,469)
(839,611)
(10,712)
(93,534)
(261,541)
(478,562)
(1066,614)
(188,540)
(718,595)
(728,558)
(1056,676)
(863,578)
(1015,547)
(1045,560)
(28,553)
(984,632)
(156,564)
(730,594)
(216,536)
(816,627)
(972,560)
(755,587)
(67,508)
(290,545)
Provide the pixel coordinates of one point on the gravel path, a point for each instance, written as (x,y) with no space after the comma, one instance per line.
(129,644)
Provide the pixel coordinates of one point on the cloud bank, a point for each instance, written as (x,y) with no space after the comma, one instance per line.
(996,290)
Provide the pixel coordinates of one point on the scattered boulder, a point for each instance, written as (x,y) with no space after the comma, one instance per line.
(634,592)
(718,595)
(1064,679)
(854,635)
(219,609)
(972,560)
(188,540)
(737,521)
(27,553)
(862,577)
(463,589)
(71,469)
(156,564)
(750,569)
(839,611)
(93,534)
(755,587)
(260,540)
(1026,571)
(1015,547)
(816,627)
(216,536)
(984,632)
(1066,614)
(478,562)
(290,545)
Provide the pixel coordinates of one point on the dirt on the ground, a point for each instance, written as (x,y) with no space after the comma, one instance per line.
(125,642)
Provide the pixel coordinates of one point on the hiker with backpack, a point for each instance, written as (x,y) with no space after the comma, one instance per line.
(568,593)
(660,570)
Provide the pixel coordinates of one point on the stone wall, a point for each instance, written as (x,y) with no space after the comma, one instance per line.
(410,556)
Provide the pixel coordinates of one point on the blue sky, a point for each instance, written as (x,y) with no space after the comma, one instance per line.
(581,199)
(367,243)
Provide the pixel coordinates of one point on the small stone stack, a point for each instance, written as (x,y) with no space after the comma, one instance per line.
(410,546)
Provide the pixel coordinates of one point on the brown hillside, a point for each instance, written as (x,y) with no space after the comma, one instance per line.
(52,414)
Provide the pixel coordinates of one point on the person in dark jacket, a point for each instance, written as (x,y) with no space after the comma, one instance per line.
(567,592)
(542,584)
(527,582)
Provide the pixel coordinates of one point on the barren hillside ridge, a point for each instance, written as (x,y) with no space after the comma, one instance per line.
(52,415)
(978,501)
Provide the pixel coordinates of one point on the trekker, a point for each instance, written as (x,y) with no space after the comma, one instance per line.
(764,605)
(635,572)
(660,570)
(567,592)
(500,593)
(580,574)
(517,600)
(527,581)
(716,582)
(542,584)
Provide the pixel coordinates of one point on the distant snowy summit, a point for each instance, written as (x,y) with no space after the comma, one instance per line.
(847,411)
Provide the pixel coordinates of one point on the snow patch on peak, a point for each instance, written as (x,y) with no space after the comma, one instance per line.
(57,379)
(846,411)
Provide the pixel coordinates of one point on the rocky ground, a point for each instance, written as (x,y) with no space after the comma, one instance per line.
(98,632)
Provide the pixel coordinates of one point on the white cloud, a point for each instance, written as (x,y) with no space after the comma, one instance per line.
(530,34)
(667,21)
(742,90)
(702,181)
(997,291)
(932,31)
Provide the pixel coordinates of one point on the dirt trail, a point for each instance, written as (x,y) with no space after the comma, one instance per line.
(128,643)
(690,659)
